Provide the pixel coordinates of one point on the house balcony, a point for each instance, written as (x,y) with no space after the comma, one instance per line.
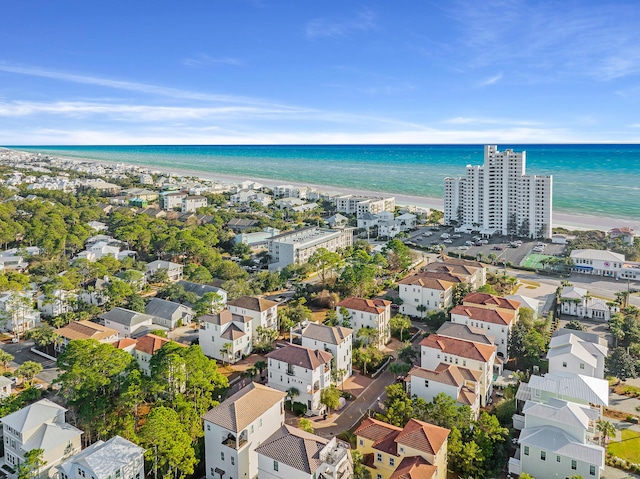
(515,466)
(518,422)
(231,442)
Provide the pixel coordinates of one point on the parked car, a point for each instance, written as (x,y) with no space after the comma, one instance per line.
(463,248)
(447,241)
(468,243)
(498,247)
(456,235)
(484,241)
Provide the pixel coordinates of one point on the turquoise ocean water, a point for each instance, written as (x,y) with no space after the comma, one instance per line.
(599,180)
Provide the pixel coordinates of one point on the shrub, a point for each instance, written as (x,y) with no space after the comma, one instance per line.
(299,409)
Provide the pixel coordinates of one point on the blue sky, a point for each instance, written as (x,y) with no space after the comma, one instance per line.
(300,71)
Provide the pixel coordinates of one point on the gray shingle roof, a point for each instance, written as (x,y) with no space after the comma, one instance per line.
(197,288)
(126,317)
(327,334)
(242,408)
(295,448)
(165,309)
(462,331)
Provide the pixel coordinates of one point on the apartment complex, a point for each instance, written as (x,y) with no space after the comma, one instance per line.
(296,247)
(500,197)
(359,205)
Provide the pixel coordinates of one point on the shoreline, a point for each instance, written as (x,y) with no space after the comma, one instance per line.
(571,221)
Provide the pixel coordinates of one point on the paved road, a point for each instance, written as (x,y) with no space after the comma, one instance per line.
(22,352)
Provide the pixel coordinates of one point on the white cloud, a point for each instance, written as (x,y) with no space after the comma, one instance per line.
(336,27)
(492,80)
(205,60)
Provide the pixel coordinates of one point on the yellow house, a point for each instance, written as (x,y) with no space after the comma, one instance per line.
(419,450)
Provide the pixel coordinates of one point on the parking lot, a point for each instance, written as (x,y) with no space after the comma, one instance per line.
(468,245)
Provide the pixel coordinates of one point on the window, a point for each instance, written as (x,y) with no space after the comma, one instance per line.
(208,427)
(379,476)
(557,458)
(426,383)
(275,465)
(233,461)
(379,457)
(392,462)
(402,449)
(574,464)
(526,450)
(564,364)
(362,442)
(581,365)
(222,456)
(592,470)
(543,456)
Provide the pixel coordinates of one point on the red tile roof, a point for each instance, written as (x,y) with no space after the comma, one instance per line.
(414,467)
(299,356)
(494,316)
(423,436)
(150,343)
(459,347)
(491,301)
(375,430)
(446,374)
(376,306)
(124,343)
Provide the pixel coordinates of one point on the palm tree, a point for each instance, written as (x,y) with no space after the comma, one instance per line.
(338,376)
(606,429)
(5,359)
(292,393)
(369,334)
(226,350)
(260,366)
(492,257)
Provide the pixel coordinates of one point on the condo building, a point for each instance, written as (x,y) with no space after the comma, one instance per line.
(500,197)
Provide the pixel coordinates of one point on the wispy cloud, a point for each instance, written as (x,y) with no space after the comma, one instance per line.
(202,59)
(468,120)
(129,86)
(340,27)
(491,80)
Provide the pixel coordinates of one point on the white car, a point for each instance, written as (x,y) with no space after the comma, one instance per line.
(484,241)
(456,236)
(463,248)
(447,241)
(468,243)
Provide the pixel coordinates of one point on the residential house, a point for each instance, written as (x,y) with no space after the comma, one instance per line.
(466,332)
(526,302)
(129,323)
(174,270)
(5,387)
(426,291)
(558,440)
(236,427)
(337,221)
(191,203)
(291,453)
(84,330)
(497,321)
(145,348)
(289,191)
(460,383)
(418,450)
(169,314)
(16,312)
(40,425)
(115,458)
(262,312)
(627,235)
(367,313)
(95,292)
(240,224)
(335,339)
(58,303)
(578,302)
(16,263)
(202,289)
(172,201)
(436,349)
(226,336)
(473,272)
(97,226)
(573,354)
(307,370)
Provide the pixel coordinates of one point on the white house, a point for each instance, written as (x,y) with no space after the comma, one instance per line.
(367,313)
(627,235)
(578,302)
(191,203)
(460,383)
(436,349)
(171,201)
(597,262)
(40,425)
(115,458)
(222,329)
(577,388)
(202,289)
(570,353)
(426,291)
(472,272)
(558,441)
(358,205)
(16,312)
(291,453)
(236,427)
(128,323)
(335,339)
(527,302)
(174,270)
(5,387)
(169,314)
(262,312)
(60,302)
(307,370)
(144,348)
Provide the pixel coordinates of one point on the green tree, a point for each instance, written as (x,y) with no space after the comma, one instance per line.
(261,366)
(5,359)
(576,325)
(27,371)
(209,303)
(621,364)
(226,350)
(606,429)
(292,393)
(305,425)
(408,353)
(370,335)
(330,397)
(460,291)
(398,255)
(443,411)
(398,406)
(331,318)
(534,348)
(399,323)
(32,464)
(169,446)
(360,471)
(325,261)
(42,336)
(266,335)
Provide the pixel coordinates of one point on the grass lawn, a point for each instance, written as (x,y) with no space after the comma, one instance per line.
(534,260)
(628,448)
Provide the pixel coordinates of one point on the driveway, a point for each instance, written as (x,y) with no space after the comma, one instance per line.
(22,352)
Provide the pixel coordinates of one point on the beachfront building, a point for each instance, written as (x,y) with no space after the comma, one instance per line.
(367,313)
(226,336)
(304,369)
(290,191)
(236,427)
(500,197)
(291,453)
(337,340)
(604,263)
(578,302)
(359,205)
(627,235)
(40,425)
(462,384)
(418,450)
(170,201)
(115,458)
(436,349)
(578,354)
(296,247)
(191,203)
